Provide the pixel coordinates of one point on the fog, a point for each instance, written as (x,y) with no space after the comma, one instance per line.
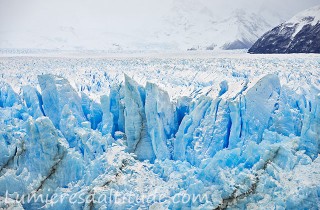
(94,17)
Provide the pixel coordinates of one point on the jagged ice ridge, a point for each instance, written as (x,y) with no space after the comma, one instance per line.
(241,150)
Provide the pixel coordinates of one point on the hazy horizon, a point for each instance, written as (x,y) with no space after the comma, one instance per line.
(82,22)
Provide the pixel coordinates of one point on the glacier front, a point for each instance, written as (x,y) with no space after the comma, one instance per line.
(256,145)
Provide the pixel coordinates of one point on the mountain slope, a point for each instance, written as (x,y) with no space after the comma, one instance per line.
(301,34)
(200,28)
(248,28)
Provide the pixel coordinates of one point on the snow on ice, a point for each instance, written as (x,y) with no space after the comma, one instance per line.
(236,131)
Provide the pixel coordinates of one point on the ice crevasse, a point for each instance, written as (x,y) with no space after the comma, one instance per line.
(237,148)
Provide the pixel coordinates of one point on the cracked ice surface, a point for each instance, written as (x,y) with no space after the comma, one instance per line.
(240,131)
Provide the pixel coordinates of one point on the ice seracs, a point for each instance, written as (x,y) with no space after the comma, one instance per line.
(161,120)
(56,94)
(7,96)
(38,150)
(189,123)
(310,138)
(33,100)
(258,103)
(136,129)
(245,149)
(92,110)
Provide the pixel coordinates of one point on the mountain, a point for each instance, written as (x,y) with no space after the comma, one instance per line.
(300,34)
(198,28)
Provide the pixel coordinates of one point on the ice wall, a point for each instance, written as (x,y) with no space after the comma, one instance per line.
(161,120)
(136,129)
(239,146)
(56,94)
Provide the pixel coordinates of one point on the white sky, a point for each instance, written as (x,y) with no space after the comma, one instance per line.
(121,16)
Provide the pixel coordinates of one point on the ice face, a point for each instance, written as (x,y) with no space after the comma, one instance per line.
(56,93)
(91,110)
(117,107)
(33,101)
(213,125)
(36,153)
(258,148)
(260,102)
(190,122)
(310,138)
(7,96)
(161,120)
(107,124)
(136,130)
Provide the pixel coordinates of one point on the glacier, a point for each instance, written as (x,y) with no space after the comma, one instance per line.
(136,147)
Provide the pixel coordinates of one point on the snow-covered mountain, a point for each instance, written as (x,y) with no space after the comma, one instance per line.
(300,34)
(199,28)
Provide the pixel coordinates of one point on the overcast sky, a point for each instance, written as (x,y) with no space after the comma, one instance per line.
(118,15)
(84,13)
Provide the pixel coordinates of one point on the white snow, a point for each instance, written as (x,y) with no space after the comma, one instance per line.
(309,16)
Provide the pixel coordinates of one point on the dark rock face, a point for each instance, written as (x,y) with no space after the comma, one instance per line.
(307,40)
(281,39)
